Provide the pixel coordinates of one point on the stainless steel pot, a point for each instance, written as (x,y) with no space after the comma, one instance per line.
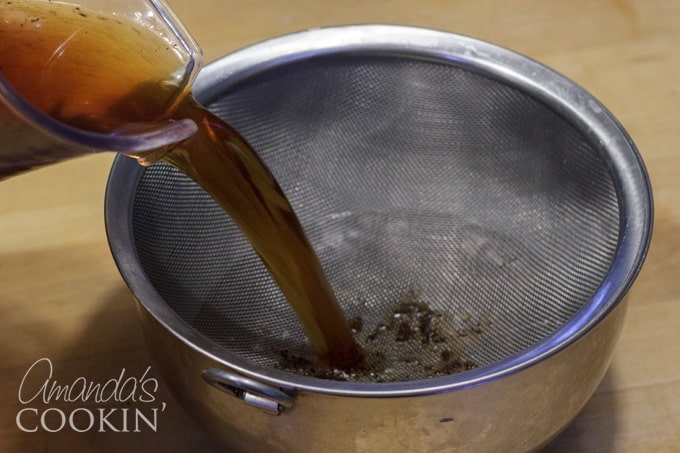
(537,215)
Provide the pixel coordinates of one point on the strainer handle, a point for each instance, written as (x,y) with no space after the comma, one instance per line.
(254,393)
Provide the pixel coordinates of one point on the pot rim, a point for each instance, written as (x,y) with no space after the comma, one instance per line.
(562,95)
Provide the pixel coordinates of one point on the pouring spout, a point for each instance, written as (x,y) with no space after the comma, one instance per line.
(140,137)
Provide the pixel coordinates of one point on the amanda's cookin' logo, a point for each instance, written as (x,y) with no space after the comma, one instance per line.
(91,402)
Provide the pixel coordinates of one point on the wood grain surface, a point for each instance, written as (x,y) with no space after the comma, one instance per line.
(62,298)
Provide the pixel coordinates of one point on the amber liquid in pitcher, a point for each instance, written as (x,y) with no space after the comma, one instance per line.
(103,72)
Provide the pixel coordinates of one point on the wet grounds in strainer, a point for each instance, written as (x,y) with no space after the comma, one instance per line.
(410,339)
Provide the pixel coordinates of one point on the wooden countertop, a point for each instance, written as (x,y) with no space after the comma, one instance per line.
(61,296)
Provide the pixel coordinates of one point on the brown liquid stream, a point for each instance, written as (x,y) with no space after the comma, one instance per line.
(102,72)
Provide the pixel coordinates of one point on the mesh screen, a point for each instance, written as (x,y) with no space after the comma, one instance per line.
(408,176)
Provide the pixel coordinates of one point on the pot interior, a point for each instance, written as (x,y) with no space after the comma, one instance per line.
(417,182)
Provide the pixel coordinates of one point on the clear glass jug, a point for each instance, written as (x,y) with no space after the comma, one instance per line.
(30,136)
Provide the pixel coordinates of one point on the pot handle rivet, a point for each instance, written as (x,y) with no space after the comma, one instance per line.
(254,393)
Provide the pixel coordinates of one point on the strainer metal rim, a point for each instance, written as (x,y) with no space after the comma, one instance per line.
(561,94)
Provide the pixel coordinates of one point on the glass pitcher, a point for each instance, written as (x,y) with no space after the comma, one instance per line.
(31,133)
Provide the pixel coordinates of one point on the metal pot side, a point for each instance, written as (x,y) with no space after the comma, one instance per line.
(519,412)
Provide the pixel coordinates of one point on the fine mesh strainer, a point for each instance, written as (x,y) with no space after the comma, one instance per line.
(419,164)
